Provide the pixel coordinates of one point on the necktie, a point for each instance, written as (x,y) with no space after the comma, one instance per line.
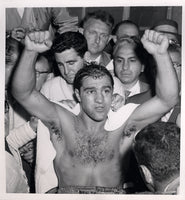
(127,93)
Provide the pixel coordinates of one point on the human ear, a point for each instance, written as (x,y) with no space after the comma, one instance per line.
(147,176)
(77,94)
(142,68)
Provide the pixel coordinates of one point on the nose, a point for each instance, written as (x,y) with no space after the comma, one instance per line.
(99,97)
(66,70)
(125,65)
(97,39)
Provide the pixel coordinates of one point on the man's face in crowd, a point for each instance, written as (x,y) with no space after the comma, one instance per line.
(97,35)
(127,65)
(95,97)
(127,30)
(69,62)
(42,70)
(176,60)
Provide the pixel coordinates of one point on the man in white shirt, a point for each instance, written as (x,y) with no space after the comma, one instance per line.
(129,62)
(97,27)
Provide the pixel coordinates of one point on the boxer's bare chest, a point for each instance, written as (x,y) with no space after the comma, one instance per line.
(94,147)
(84,146)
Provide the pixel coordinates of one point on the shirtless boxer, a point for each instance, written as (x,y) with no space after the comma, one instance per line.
(87,154)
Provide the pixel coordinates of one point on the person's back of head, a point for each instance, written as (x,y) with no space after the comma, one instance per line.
(157,150)
(70,40)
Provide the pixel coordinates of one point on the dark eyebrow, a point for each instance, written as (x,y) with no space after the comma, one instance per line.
(71,61)
(109,87)
(92,88)
(89,88)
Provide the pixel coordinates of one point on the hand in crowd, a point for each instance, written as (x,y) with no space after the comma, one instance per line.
(70,103)
(117,102)
(18,33)
(28,151)
(38,41)
(155,42)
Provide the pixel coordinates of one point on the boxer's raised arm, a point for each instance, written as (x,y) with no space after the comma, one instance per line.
(23,84)
(166,83)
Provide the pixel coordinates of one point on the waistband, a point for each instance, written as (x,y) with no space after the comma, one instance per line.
(91,190)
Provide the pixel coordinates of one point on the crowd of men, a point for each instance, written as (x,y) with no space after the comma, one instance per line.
(91,106)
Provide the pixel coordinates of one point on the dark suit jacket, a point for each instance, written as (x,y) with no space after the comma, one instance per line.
(176,111)
(140,98)
(144,86)
(105,59)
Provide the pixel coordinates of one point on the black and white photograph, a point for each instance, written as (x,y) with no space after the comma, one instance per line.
(91,100)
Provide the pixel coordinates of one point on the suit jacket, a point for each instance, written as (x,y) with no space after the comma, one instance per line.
(175,112)
(105,59)
(143,86)
(140,98)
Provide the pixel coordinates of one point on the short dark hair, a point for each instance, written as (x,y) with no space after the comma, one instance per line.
(91,70)
(70,40)
(101,15)
(129,22)
(157,147)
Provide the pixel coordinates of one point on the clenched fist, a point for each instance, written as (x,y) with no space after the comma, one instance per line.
(155,42)
(38,41)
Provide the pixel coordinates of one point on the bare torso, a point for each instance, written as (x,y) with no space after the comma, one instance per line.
(85,158)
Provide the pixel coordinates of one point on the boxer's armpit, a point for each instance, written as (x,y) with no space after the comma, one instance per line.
(130,129)
(55,130)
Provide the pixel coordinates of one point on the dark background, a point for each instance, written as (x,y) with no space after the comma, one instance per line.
(144,16)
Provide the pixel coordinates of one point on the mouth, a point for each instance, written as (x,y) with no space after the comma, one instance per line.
(95,46)
(124,74)
(71,77)
(99,108)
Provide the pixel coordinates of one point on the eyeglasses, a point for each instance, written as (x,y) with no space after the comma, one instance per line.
(173,42)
